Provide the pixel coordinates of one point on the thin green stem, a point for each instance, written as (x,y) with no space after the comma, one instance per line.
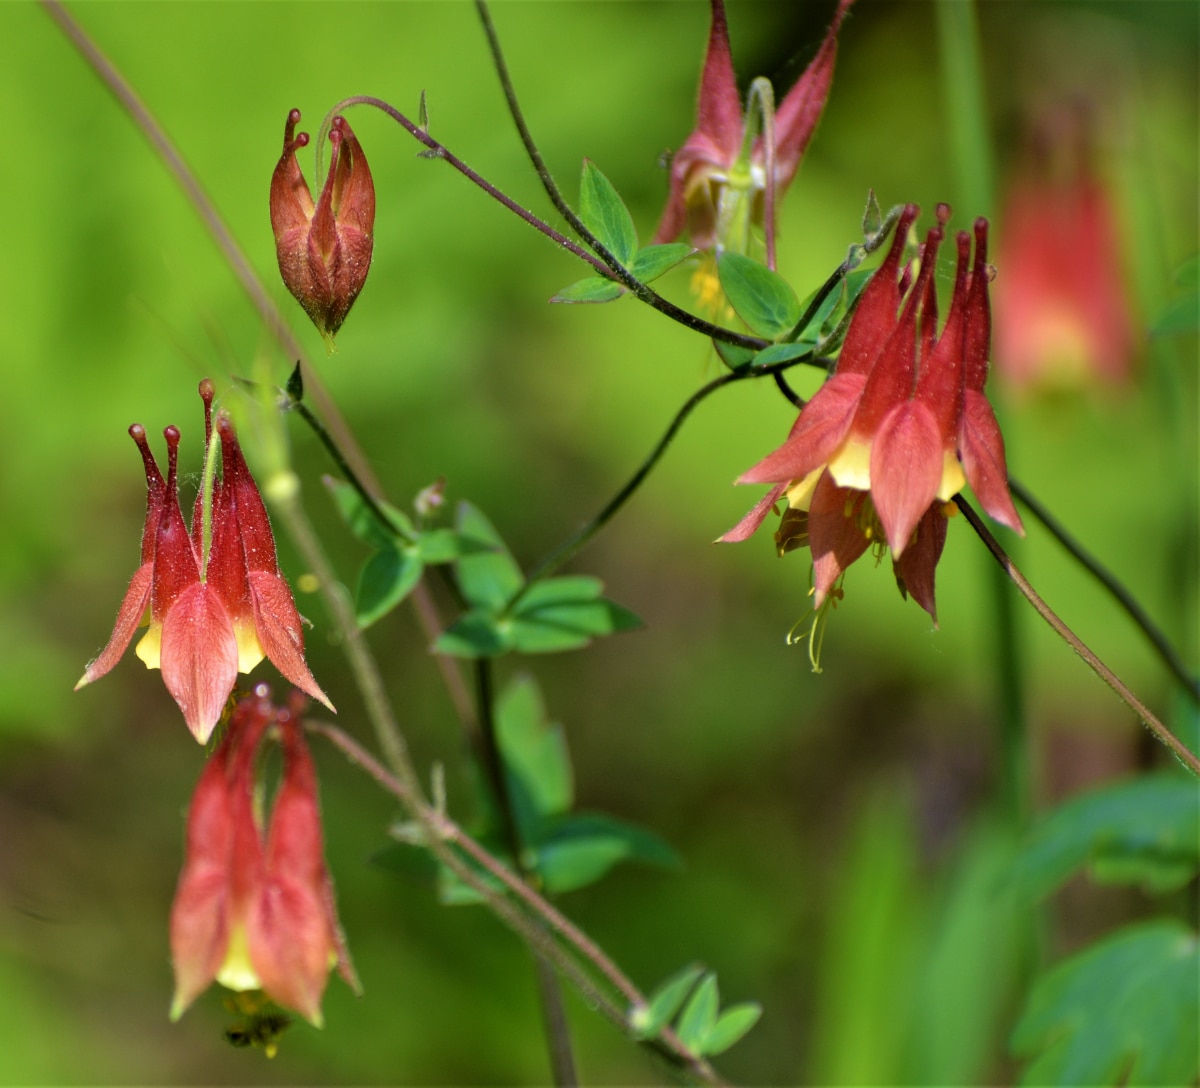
(579,540)
(1149,719)
(1154,635)
(574,544)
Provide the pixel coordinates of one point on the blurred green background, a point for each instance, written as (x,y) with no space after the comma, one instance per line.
(841,833)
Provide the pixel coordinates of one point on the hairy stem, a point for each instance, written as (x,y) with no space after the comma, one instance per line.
(1149,719)
(1153,633)
(448,832)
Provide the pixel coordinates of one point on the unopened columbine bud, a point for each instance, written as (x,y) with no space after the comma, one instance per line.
(324,249)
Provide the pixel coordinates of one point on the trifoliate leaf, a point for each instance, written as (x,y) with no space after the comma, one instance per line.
(591,289)
(475,634)
(664,1003)
(446,545)
(488,579)
(1145,831)
(362,520)
(387,578)
(1125,1011)
(731,1026)
(535,755)
(781,353)
(699,1015)
(652,261)
(576,850)
(762,298)
(605,215)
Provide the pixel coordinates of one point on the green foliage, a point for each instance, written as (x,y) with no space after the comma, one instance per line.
(1125,1011)
(604,213)
(702,1026)
(590,289)
(402,552)
(567,850)
(552,615)
(762,298)
(1146,831)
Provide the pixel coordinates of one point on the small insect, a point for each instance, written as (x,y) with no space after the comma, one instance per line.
(260,1022)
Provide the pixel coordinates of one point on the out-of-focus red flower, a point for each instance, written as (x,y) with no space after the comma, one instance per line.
(324,249)
(254,909)
(717,177)
(896,431)
(1063,313)
(213,613)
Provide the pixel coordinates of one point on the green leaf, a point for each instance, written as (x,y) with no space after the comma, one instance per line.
(591,289)
(488,579)
(577,850)
(652,261)
(1125,1011)
(605,215)
(762,298)
(732,355)
(569,625)
(1146,831)
(475,634)
(387,578)
(781,353)
(812,331)
(446,545)
(535,755)
(361,518)
(699,1015)
(731,1027)
(566,587)
(648,1020)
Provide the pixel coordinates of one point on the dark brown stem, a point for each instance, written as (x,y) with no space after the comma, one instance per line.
(1151,721)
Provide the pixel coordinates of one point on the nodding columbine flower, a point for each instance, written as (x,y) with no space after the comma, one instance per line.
(215,607)
(254,909)
(1063,314)
(719,175)
(901,425)
(324,249)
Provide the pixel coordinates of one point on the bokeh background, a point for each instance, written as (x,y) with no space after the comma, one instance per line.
(843,835)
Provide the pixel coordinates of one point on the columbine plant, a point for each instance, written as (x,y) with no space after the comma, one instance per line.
(876,460)
(215,599)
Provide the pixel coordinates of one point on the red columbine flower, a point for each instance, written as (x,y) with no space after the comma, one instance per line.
(897,430)
(324,250)
(1063,312)
(212,614)
(254,909)
(717,177)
